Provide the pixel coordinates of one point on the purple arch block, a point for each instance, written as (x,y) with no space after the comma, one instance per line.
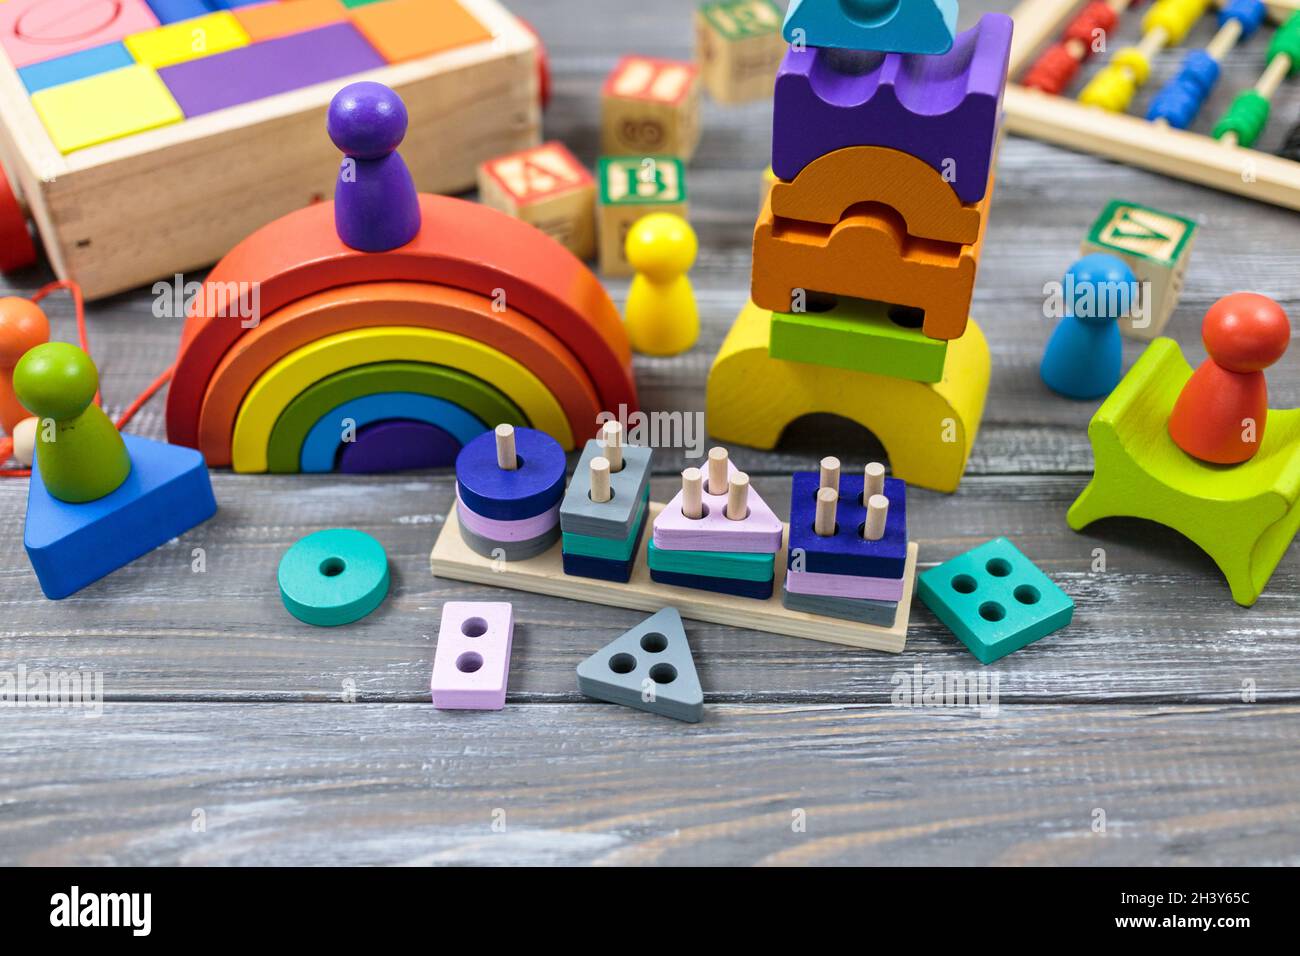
(944,109)
(398,444)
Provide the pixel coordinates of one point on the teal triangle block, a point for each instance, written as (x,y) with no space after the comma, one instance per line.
(649,667)
(167,493)
(887,26)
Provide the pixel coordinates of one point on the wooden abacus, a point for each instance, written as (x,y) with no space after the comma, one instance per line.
(1054,38)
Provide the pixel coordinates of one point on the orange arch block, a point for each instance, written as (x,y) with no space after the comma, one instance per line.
(461,244)
(389,304)
(830,184)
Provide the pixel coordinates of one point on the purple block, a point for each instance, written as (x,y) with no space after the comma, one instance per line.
(398,445)
(472,663)
(852,587)
(273,66)
(942,109)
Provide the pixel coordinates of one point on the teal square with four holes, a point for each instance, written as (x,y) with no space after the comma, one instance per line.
(994,599)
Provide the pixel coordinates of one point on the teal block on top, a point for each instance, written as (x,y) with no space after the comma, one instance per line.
(887,26)
(994,599)
(609,549)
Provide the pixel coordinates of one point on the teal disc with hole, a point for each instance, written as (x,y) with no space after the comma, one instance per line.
(333,577)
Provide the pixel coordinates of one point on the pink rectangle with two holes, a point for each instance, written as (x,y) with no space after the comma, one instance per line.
(844,585)
(472,663)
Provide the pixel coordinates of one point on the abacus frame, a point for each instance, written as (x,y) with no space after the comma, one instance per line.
(1132,139)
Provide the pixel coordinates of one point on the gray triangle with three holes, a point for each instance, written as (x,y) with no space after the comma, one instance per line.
(653,656)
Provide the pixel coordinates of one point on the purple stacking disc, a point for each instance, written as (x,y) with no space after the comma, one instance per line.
(398,444)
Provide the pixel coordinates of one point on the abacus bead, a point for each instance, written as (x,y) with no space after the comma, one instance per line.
(366,120)
(1249,13)
(1246,332)
(1176,17)
(1246,118)
(1181,98)
(1286,40)
(1051,72)
(1111,89)
(1135,61)
(1096,16)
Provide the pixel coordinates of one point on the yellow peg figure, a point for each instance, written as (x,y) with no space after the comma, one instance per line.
(661,317)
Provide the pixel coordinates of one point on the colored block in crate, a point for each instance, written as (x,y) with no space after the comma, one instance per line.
(760,532)
(846,551)
(509,550)
(619,517)
(830,185)
(604,569)
(853,587)
(649,667)
(995,599)
(266,21)
(105,106)
(511,494)
(75,66)
(942,109)
(397,445)
(36,30)
(862,336)
(166,493)
(715,564)
(269,67)
(187,40)
(759,590)
(879,613)
(609,549)
(472,663)
(169,11)
(892,26)
(321,446)
(406,29)
(866,255)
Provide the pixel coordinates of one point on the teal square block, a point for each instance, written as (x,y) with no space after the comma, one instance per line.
(609,549)
(994,599)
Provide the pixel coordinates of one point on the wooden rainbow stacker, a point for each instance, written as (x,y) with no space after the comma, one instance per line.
(146,137)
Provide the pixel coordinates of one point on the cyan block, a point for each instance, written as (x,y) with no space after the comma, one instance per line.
(603,569)
(740,566)
(75,66)
(995,599)
(846,551)
(610,549)
(888,26)
(71,545)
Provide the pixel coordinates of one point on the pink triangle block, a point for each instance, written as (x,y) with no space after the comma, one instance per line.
(472,662)
(758,533)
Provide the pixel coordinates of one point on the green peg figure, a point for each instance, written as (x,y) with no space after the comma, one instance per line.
(82,457)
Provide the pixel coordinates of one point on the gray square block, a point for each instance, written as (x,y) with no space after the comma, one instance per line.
(613,518)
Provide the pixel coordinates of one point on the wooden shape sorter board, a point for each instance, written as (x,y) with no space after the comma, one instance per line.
(258,151)
(544,574)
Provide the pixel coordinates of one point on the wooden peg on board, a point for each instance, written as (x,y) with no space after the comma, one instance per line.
(600,489)
(693,493)
(507,460)
(824,522)
(738,497)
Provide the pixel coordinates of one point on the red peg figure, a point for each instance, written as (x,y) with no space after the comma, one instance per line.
(1221,413)
(23,326)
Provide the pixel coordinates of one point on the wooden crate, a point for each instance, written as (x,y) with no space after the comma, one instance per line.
(1132,139)
(176,199)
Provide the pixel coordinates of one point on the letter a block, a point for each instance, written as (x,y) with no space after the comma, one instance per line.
(548,188)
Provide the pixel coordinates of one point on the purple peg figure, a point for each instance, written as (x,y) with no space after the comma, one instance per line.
(375,204)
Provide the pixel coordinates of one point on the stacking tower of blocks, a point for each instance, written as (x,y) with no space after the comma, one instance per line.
(717,534)
(865,253)
(604,509)
(848,543)
(508,488)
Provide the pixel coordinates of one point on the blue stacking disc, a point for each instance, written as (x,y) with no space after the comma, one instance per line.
(1249,13)
(333,577)
(511,495)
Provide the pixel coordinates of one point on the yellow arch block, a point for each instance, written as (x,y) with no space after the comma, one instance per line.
(927,428)
(283,381)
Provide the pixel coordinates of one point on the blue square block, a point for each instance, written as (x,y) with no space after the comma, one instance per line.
(70,545)
(603,569)
(845,552)
(75,66)
(173,11)
(759,590)
(995,599)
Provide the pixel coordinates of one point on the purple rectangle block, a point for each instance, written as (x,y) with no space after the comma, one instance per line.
(273,66)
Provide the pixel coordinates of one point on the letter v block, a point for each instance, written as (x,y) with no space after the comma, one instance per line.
(649,667)
(472,662)
(759,532)
(890,26)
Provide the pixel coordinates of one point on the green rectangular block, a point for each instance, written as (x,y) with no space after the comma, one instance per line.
(714,564)
(611,550)
(994,599)
(860,336)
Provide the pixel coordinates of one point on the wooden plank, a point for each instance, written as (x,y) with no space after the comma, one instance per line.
(544,574)
(353,784)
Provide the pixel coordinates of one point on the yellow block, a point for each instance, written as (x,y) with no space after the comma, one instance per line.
(284,380)
(927,428)
(187,40)
(106,106)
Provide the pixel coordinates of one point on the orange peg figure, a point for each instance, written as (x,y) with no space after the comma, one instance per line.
(1221,413)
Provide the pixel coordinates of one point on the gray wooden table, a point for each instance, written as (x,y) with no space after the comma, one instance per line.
(231,733)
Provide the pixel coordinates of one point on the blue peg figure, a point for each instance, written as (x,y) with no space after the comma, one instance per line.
(375,204)
(1084,357)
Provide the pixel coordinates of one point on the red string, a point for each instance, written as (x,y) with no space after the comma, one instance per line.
(7,443)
